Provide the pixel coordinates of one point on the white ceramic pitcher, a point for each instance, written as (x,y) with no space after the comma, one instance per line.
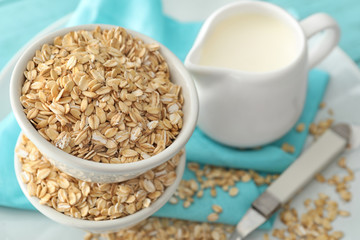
(247,109)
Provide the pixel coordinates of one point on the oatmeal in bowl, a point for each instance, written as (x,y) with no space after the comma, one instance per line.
(94,207)
(103,103)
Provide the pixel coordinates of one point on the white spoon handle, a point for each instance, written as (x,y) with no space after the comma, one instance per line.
(312,161)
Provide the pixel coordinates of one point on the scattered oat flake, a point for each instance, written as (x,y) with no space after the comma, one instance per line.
(233,191)
(345,195)
(288,148)
(342,162)
(344,213)
(212,217)
(213,192)
(300,127)
(217,208)
(186,204)
(320,178)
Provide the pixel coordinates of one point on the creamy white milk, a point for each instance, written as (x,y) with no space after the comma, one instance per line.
(250,42)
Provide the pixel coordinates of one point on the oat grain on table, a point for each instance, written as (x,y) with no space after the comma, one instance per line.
(103,95)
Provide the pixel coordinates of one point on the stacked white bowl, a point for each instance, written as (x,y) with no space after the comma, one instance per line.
(102,172)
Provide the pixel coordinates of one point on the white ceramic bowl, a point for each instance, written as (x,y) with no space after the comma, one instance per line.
(102,172)
(106,225)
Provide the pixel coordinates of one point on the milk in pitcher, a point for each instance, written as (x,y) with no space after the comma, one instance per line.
(251,42)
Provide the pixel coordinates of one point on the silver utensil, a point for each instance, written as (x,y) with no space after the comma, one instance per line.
(313,160)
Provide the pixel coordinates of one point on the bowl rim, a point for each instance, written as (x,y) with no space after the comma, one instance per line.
(104,225)
(72,161)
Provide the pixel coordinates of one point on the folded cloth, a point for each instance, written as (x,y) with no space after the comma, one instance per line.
(178,37)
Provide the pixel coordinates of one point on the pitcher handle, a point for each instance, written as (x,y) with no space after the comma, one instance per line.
(315,24)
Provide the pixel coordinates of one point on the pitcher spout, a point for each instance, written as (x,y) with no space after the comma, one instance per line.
(201,76)
(204,76)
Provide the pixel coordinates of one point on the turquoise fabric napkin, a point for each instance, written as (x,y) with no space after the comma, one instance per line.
(178,37)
